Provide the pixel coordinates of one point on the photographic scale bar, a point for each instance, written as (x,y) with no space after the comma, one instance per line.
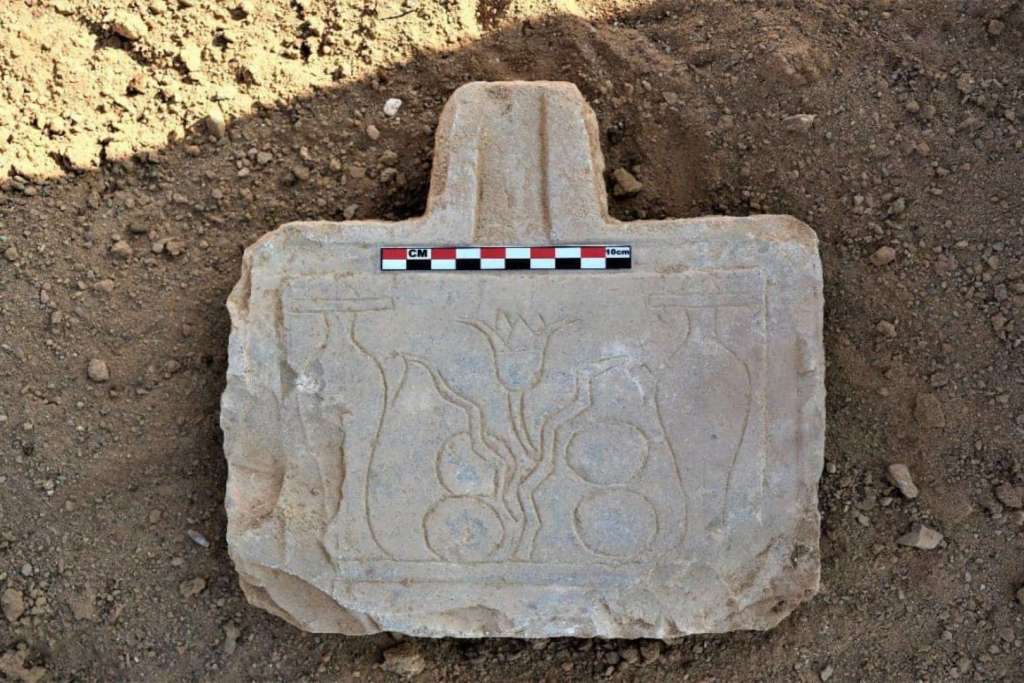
(589,257)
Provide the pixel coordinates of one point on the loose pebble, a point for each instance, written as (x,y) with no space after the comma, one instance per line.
(121,249)
(129,26)
(192,587)
(921,536)
(231,635)
(405,660)
(198,538)
(886,329)
(98,371)
(215,123)
(626,184)
(900,476)
(799,123)
(883,256)
(191,57)
(1009,495)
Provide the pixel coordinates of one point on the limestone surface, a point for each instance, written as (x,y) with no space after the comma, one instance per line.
(613,453)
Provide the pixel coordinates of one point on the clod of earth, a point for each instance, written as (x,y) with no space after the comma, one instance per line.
(12,602)
(1009,495)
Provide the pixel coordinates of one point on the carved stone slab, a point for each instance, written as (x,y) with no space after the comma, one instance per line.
(626,453)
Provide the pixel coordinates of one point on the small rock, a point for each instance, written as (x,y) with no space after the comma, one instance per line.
(626,183)
(137,84)
(191,57)
(192,587)
(1010,496)
(129,27)
(121,249)
(886,328)
(884,256)
(989,503)
(996,27)
(405,660)
(928,411)
(999,322)
(826,673)
(965,83)
(392,106)
(651,651)
(898,207)
(215,123)
(172,246)
(231,635)
(198,538)
(11,254)
(372,132)
(254,70)
(13,604)
(921,536)
(799,123)
(98,370)
(900,476)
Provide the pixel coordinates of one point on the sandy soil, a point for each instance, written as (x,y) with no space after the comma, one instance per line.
(143,143)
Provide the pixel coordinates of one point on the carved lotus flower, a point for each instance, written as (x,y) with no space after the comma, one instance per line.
(518,347)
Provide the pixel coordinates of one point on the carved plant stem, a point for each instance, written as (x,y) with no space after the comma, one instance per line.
(550,439)
(492,447)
